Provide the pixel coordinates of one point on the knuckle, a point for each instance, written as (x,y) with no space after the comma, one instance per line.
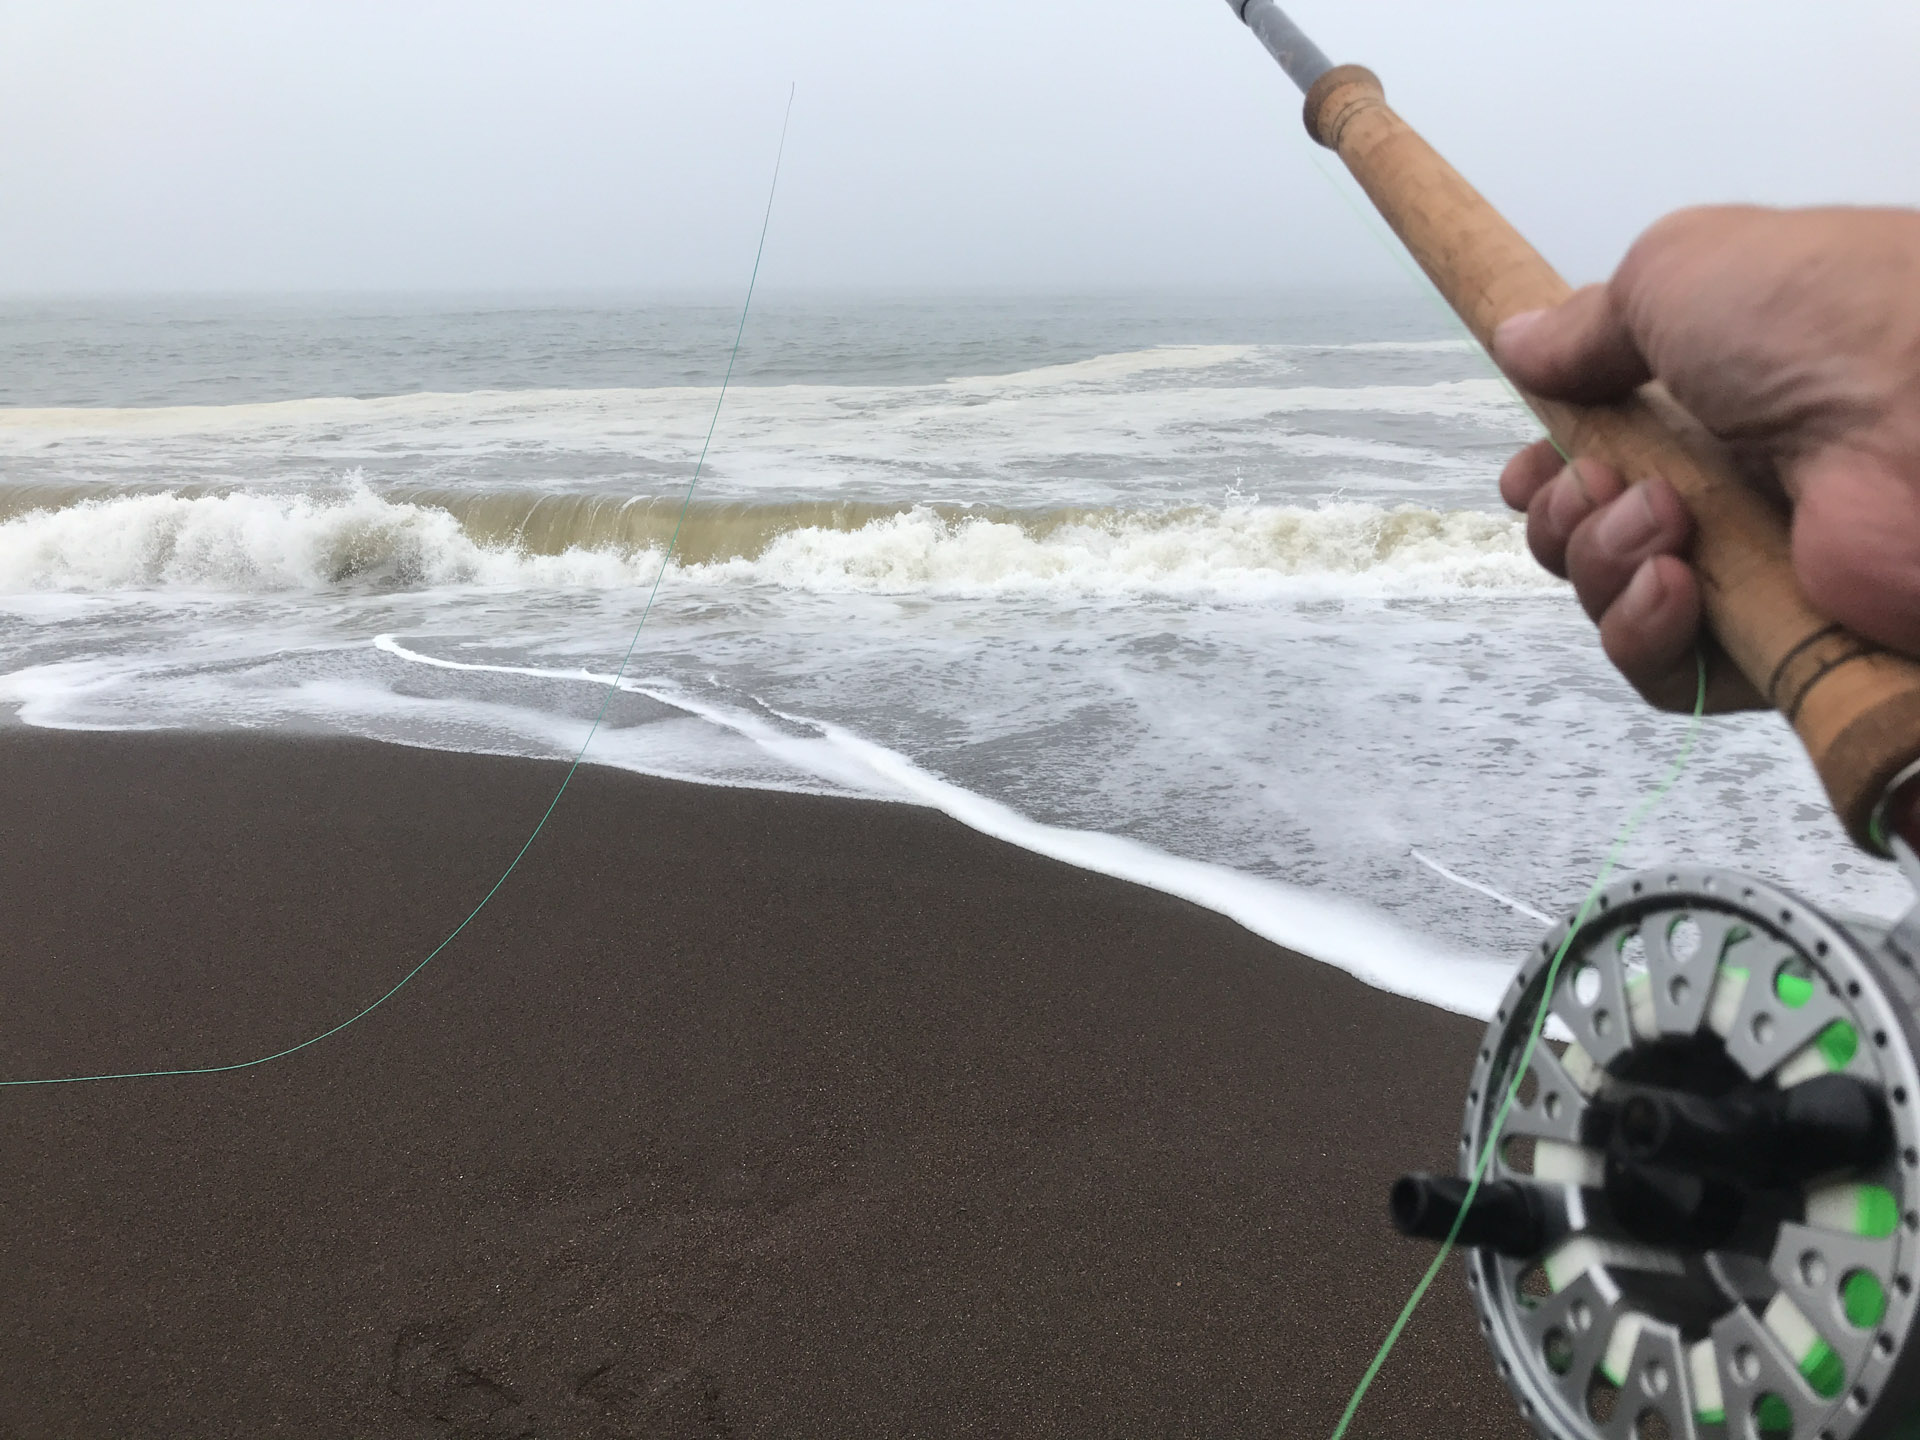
(1656,246)
(1676,227)
(1670,243)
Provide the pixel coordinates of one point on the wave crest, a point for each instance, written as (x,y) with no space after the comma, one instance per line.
(360,540)
(1340,547)
(249,543)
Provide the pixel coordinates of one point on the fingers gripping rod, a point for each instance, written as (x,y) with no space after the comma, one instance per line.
(1855,707)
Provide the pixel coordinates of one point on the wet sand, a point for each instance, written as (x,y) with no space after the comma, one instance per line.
(734,1114)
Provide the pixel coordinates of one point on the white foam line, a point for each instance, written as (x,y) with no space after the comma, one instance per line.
(1486,890)
(799,752)
(392,646)
(1348,936)
(38,689)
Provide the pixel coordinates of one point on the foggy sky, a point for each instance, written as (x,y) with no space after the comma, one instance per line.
(1065,144)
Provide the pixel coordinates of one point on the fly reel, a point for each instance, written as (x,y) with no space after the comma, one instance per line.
(1702,1217)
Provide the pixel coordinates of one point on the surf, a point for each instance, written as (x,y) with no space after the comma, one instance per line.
(241,541)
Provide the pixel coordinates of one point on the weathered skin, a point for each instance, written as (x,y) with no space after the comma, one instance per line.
(1795,336)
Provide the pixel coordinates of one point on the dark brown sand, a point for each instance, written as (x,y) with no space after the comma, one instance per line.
(734,1115)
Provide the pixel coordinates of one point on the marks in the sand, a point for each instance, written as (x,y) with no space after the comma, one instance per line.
(462,1379)
(433,1374)
(609,1300)
(667,1403)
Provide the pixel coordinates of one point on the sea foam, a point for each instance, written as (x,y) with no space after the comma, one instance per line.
(1337,932)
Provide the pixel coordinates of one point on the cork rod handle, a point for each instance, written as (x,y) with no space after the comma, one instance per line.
(1855,707)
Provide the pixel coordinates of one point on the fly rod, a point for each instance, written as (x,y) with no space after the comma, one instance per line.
(1700,1218)
(1855,707)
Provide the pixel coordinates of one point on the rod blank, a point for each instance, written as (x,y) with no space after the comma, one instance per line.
(1298,56)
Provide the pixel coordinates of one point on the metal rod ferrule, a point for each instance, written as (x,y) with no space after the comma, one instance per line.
(1298,56)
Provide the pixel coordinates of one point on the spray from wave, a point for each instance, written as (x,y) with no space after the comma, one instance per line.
(359,540)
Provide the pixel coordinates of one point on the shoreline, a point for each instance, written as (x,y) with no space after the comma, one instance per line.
(734,1113)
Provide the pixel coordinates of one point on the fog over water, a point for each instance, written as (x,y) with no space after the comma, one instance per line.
(1066,145)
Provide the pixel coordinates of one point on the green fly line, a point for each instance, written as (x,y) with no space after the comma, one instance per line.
(613,688)
(1620,841)
(1370,223)
(1627,832)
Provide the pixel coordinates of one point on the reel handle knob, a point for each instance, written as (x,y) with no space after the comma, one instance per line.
(1506,1215)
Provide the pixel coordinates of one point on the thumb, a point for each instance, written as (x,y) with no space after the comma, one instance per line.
(1579,350)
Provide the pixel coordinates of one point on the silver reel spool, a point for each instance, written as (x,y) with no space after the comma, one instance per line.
(1702,1221)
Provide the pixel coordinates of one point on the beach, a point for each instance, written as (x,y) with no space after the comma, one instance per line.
(735,1113)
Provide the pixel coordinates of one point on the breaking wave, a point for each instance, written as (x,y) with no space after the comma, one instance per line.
(1336,548)
(359,539)
(244,542)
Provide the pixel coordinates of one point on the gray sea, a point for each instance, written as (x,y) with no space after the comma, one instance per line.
(1214,592)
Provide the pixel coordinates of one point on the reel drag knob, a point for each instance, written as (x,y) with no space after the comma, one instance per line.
(1832,1122)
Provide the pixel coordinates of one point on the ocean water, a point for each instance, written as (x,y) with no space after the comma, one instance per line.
(1214,593)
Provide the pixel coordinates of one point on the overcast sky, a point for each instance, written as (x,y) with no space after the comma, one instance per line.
(1076,144)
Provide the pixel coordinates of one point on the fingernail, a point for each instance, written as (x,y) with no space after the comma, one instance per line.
(1628,523)
(1646,592)
(1571,501)
(1511,328)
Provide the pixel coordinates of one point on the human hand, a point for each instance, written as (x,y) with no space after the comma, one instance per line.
(1794,335)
